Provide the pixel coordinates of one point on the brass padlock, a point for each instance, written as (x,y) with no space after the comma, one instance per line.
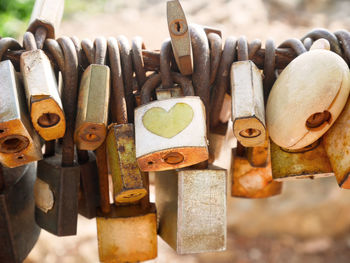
(249,181)
(58,177)
(43,99)
(18,229)
(305,101)
(127,180)
(191,205)
(19,144)
(248,111)
(124,233)
(92,112)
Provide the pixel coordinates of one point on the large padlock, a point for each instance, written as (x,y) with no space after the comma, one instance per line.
(92,112)
(124,233)
(19,144)
(251,181)
(44,102)
(248,111)
(305,101)
(18,229)
(191,206)
(58,176)
(127,180)
(170,133)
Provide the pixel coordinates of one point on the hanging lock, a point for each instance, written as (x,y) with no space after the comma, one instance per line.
(40,84)
(92,114)
(19,144)
(18,229)
(305,101)
(58,176)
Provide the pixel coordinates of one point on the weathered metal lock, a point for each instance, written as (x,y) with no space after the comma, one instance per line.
(124,233)
(127,180)
(250,181)
(19,144)
(248,111)
(18,229)
(43,99)
(305,101)
(58,176)
(92,114)
(191,205)
(164,130)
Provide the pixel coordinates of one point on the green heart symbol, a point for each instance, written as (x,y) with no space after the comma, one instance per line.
(167,124)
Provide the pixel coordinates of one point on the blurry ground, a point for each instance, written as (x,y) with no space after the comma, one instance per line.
(310,221)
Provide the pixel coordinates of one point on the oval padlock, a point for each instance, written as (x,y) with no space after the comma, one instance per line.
(307,98)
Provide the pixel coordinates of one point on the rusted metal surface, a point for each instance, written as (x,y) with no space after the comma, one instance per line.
(318,33)
(137,59)
(269,67)
(101,159)
(215,45)
(165,70)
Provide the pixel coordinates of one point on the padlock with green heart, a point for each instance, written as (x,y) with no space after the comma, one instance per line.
(170,133)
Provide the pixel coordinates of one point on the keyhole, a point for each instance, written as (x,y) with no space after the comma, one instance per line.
(317,119)
(48,120)
(178,26)
(250,133)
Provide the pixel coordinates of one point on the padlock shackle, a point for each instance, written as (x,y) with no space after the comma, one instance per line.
(7,43)
(117,101)
(222,80)
(215,45)
(101,159)
(269,67)
(242,49)
(88,48)
(56,51)
(165,68)
(154,81)
(69,98)
(29,42)
(100,49)
(294,44)
(253,47)
(40,36)
(318,33)
(344,37)
(137,59)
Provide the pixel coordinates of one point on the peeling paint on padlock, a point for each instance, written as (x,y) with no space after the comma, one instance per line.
(44,199)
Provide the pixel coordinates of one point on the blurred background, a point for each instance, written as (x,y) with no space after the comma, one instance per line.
(309,221)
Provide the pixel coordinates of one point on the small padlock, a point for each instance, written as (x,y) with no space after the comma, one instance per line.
(164,130)
(248,111)
(309,162)
(124,233)
(18,230)
(92,112)
(40,84)
(249,181)
(58,176)
(19,144)
(191,205)
(127,180)
(305,101)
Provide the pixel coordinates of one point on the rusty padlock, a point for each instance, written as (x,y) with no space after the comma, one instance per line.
(40,84)
(92,112)
(58,176)
(18,229)
(19,144)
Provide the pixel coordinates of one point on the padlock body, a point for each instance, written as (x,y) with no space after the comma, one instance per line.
(126,175)
(127,234)
(92,111)
(170,134)
(19,144)
(312,163)
(259,156)
(191,205)
(18,229)
(252,182)
(43,99)
(59,188)
(248,111)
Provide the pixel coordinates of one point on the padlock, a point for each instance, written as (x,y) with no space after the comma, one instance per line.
(127,180)
(92,112)
(58,177)
(249,181)
(191,206)
(18,229)
(19,144)
(258,156)
(89,191)
(305,101)
(43,99)
(309,162)
(164,130)
(124,233)
(248,111)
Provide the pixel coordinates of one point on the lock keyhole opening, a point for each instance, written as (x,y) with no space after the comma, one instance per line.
(13,144)
(178,26)
(173,158)
(317,119)
(48,120)
(250,133)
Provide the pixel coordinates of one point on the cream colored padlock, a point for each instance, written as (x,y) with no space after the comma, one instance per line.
(307,97)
